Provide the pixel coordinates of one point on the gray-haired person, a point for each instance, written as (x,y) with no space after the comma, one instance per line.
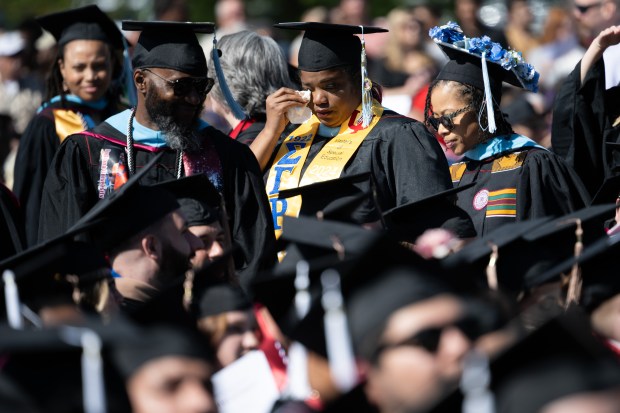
(253,67)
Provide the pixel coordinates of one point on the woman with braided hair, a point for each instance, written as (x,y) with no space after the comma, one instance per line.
(516,179)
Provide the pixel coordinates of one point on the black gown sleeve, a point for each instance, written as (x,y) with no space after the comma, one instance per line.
(412,163)
(68,191)
(579,124)
(549,187)
(37,147)
(251,224)
(12,237)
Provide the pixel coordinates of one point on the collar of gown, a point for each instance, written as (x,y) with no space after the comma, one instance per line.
(142,134)
(498,145)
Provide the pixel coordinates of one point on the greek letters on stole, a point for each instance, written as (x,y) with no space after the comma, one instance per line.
(328,164)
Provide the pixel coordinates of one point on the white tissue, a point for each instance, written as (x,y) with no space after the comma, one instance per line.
(300,114)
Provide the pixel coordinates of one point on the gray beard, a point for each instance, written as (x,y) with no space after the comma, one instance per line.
(178,137)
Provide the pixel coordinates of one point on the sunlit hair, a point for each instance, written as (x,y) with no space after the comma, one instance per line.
(475,98)
(395,51)
(254,66)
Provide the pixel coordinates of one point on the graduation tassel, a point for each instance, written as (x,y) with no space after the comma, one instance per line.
(235,108)
(302,282)
(298,387)
(366,86)
(487,95)
(338,340)
(575,281)
(11,297)
(93,388)
(492,268)
(477,398)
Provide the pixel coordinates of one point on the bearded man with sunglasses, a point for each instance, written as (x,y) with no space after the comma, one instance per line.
(171,78)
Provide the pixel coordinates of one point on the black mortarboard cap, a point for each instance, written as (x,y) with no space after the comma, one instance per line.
(598,264)
(169,45)
(348,199)
(41,271)
(327,46)
(472,260)
(221,297)
(371,303)
(157,341)
(556,240)
(466,68)
(374,253)
(84,23)
(560,358)
(199,200)
(47,364)
(407,222)
(323,244)
(132,208)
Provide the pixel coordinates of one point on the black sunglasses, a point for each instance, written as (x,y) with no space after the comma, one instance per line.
(446,120)
(584,9)
(185,85)
(429,338)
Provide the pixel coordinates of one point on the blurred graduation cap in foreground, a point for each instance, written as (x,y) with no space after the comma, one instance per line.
(322,244)
(407,222)
(513,256)
(130,209)
(495,260)
(598,266)
(349,199)
(560,359)
(67,368)
(34,272)
(199,200)
(220,297)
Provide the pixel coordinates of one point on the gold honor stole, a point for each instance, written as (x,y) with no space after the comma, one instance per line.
(68,122)
(327,164)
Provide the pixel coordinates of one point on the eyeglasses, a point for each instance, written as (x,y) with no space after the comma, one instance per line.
(429,338)
(184,85)
(584,9)
(446,120)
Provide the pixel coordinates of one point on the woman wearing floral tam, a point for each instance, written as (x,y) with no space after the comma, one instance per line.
(516,179)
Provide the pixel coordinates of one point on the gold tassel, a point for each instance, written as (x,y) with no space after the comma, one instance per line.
(492,268)
(575,281)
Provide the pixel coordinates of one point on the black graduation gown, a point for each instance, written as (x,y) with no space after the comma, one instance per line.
(71,189)
(248,135)
(37,147)
(583,118)
(404,159)
(12,237)
(517,185)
